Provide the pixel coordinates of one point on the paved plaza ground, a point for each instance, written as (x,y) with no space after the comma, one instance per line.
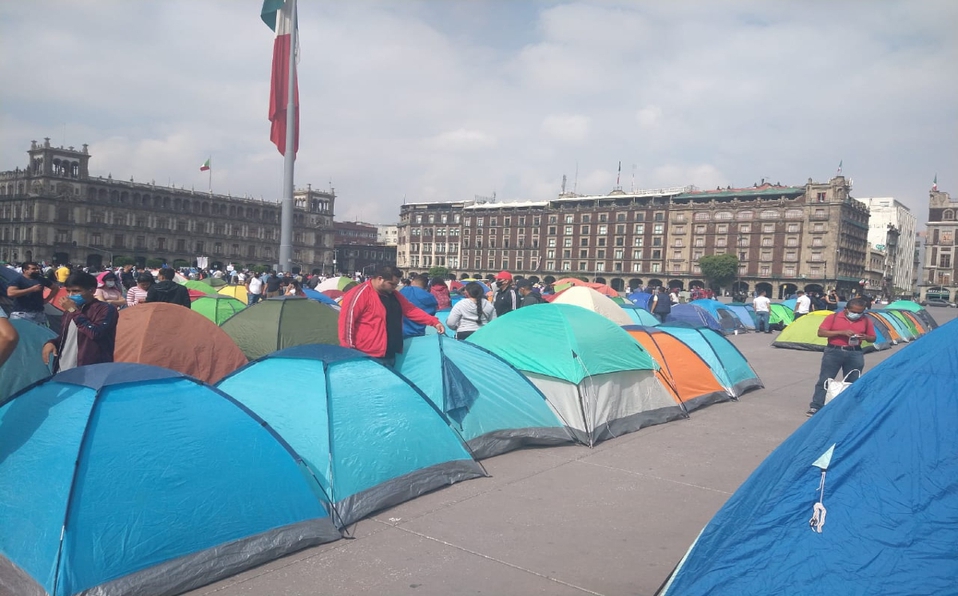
(613,520)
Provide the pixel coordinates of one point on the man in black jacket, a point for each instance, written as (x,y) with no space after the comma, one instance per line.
(528,293)
(167,290)
(504,298)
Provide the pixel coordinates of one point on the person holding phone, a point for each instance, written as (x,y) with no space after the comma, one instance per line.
(845,330)
(88,329)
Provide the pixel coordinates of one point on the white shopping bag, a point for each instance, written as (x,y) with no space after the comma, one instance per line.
(833,387)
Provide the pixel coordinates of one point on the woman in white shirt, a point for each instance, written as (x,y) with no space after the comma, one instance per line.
(470,313)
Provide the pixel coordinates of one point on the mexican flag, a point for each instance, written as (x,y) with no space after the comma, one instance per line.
(205,166)
(278,15)
(934,184)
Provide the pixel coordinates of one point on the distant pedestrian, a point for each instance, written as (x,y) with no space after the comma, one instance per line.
(528,293)
(439,289)
(845,330)
(254,289)
(167,290)
(138,293)
(660,305)
(27,294)
(803,304)
(762,306)
(505,299)
(831,300)
(108,290)
(273,285)
(421,298)
(471,313)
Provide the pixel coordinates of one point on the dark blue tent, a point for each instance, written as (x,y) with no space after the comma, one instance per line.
(694,315)
(640,299)
(861,499)
(132,479)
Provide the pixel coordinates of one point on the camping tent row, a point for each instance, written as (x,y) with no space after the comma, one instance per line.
(859,500)
(892,326)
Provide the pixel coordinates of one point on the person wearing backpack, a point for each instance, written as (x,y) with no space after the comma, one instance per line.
(528,293)
(471,313)
(660,305)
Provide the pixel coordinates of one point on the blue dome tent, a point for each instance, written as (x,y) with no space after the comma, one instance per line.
(488,402)
(132,479)
(25,365)
(639,315)
(640,299)
(370,437)
(860,499)
(694,315)
(726,317)
(728,364)
(745,313)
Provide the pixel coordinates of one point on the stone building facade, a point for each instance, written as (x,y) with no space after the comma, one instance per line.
(939,278)
(358,250)
(54,210)
(808,237)
(892,230)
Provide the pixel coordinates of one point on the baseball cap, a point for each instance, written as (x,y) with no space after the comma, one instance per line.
(523,283)
(504,275)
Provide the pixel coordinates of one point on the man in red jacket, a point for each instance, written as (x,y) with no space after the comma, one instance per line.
(371,317)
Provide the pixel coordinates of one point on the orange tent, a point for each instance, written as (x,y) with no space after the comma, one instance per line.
(177,338)
(683,372)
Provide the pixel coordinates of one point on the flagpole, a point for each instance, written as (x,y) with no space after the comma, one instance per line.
(286,217)
(210,170)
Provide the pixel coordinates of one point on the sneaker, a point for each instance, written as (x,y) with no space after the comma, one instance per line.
(811,412)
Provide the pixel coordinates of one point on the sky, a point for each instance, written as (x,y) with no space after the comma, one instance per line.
(444,100)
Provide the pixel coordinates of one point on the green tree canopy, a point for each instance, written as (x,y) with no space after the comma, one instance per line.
(719,270)
(440,272)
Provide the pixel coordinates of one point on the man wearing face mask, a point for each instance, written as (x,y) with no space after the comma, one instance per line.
(88,329)
(27,294)
(504,299)
(845,330)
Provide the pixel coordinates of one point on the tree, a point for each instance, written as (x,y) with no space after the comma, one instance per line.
(154,263)
(121,261)
(440,272)
(719,270)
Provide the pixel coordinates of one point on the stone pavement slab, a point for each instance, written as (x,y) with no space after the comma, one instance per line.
(611,520)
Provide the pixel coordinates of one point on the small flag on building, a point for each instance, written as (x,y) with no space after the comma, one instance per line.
(934,184)
(205,166)
(840,166)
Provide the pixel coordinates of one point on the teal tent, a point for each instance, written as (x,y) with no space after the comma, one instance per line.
(133,479)
(488,402)
(600,382)
(25,365)
(639,315)
(728,364)
(370,437)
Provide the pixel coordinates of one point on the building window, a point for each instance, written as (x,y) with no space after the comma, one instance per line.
(603,217)
(570,219)
(721,241)
(948,215)
(586,218)
(791,241)
(656,267)
(568,230)
(621,216)
(819,227)
(636,267)
(766,255)
(493,222)
(744,215)
(794,214)
(769,214)
(583,241)
(619,241)
(584,254)
(721,229)
(638,229)
(551,242)
(676,254)
(656,241)
(699,229)
(618,253)
(745,228)
(566,265)
(723,216)
(792,228)
(678,243)
(767,241)
(659,216)
(657,254)
(638,241)
(658,228)
(817,241)
(701,216)
(601,241)
(697,255)
(636,254)
(583,229)
(479,222)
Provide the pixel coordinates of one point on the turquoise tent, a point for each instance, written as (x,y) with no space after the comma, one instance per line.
(728,364)
(860,499)
(891,320)
(442,315)
(488,402)
(596,377)
(726,317)
(639,315)
(370,437)
(132,479)
(25,365)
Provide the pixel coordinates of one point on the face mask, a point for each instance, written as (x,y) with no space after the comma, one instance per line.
(853,316)
(78,299)
(110,284)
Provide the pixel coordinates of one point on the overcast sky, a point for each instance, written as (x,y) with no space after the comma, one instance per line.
(437,100)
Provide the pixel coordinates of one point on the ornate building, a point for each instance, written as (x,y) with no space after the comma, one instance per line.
(358,249)
(939,279)
(785,237)
(54,210)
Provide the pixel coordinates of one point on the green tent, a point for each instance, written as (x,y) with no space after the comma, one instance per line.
(215,282)
(779,314)
(906,321)
(282,322)
(217,307)
(199,286)
(802,333)
(904,305)
(598,379)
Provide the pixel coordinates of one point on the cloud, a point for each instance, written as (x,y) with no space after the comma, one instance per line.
(566,127)
(443,101)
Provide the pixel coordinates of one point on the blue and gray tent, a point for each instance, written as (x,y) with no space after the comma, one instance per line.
(640,299)
(693,315)
(492,406)
(371,438)
(640,315)
(860,499)
(727,319)
(132,479)
(727,362)
(320,297)
(25,365)
(745,313)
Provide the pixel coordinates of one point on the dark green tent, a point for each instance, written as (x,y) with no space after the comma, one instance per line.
(282,322)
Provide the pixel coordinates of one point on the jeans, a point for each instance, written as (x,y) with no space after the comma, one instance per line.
(761,321)
(254,298)
(833,360)
(661,316)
